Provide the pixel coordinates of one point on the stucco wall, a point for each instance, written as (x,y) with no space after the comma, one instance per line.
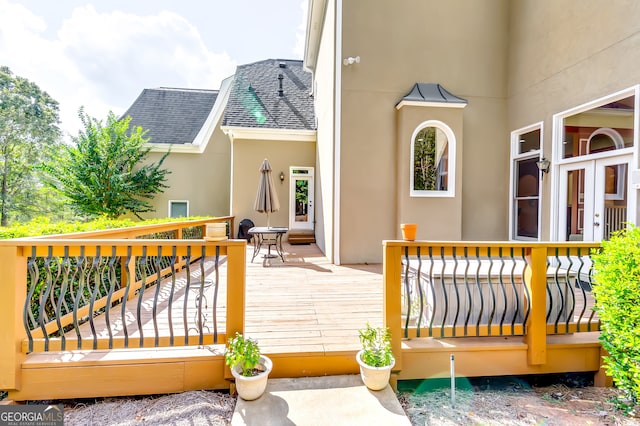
(203,179)
(565,53)
(324,81)
(247,158)
(463,46)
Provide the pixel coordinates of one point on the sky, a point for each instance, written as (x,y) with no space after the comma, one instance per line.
(102,54)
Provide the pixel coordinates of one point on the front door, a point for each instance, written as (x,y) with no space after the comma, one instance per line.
(301,198)
(594,198)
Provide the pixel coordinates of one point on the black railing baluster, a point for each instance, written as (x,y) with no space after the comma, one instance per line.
(82,264)
(470,304)
(570,291)
(215,296)
(186,296)
(125,297)
(143,269)
(444,290)
(556,280)
(43,298)
(514,288)
(171,294)
(593,311)
(407,292)
(492,312)
(27,314)
(95,271)
(503,289)
(526,290)
(201,318)
(64,267)
(455,287)
(419,289)
(480,292)
(112,285)
(154,310)
(434,299)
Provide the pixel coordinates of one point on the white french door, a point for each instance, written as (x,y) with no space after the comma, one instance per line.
(594,198)
(301,215)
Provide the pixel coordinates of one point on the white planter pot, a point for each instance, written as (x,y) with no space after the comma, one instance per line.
(375,378)
(250,388)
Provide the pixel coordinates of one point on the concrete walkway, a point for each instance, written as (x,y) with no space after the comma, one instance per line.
(330,400)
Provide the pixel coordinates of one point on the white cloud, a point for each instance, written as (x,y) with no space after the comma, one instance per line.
(104,60)
(298,50)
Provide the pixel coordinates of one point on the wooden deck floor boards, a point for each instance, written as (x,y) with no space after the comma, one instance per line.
(304,304)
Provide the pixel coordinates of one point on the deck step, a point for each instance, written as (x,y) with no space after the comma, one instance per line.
(301,237)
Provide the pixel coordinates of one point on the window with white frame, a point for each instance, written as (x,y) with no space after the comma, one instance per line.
(433,152)
(178,208)
(525,184)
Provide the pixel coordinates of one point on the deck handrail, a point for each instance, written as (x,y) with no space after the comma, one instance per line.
(547,275)
(17,259)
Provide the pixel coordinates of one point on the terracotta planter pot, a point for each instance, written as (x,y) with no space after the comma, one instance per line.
(375,378)
(250,388)
(409,231)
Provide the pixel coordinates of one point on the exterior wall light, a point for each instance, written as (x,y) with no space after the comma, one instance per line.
(351,60)
(282,177)
(543,165)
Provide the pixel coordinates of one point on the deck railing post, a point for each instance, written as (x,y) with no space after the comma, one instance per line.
(13,288)
(536,328)
(236,280)
(391,272)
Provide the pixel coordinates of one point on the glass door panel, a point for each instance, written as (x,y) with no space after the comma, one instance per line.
(301,199)
(593,199)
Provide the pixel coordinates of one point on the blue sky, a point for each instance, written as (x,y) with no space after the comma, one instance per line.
(102,54)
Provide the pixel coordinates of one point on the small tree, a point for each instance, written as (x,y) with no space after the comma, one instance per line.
(29,134)
(104,174)
(617,293)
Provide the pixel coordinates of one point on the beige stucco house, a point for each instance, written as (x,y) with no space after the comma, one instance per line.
(536,79)
(478,120)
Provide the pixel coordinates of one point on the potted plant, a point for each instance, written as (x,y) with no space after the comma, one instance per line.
(376,357)
(250,368)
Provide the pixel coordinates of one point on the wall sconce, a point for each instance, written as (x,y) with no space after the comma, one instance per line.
(543,165)
(281,177)
(351,60)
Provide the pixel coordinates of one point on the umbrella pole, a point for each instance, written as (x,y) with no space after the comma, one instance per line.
(268,220)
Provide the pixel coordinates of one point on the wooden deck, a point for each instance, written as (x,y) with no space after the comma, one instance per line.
(304,304)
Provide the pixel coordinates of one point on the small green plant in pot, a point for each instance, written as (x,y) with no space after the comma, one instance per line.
(250,368)
(376,357)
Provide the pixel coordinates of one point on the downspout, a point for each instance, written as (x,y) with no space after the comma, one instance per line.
(337,130)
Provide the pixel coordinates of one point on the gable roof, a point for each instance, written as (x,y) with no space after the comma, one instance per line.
(172,116)
(271,94)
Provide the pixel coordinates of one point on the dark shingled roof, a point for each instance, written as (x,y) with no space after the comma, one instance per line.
(171,115)
(254,100)
(432,92)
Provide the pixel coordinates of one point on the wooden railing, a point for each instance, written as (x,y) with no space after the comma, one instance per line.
(474,289)
(113,289)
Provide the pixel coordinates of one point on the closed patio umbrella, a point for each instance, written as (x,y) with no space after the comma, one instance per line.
(266,198)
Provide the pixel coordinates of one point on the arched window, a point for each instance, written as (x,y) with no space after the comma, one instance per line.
(433,153)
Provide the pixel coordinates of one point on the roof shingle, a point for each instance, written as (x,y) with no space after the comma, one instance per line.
(255,100)
(172,115)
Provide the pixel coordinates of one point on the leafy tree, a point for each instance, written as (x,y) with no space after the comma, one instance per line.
(29,134)
(424,160)
(105,174)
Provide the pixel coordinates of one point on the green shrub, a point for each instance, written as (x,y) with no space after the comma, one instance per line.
(617,292)
(43,226)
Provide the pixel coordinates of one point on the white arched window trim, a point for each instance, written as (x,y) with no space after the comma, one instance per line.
(451,140)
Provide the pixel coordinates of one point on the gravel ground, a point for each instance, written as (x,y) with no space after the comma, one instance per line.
(495,401)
